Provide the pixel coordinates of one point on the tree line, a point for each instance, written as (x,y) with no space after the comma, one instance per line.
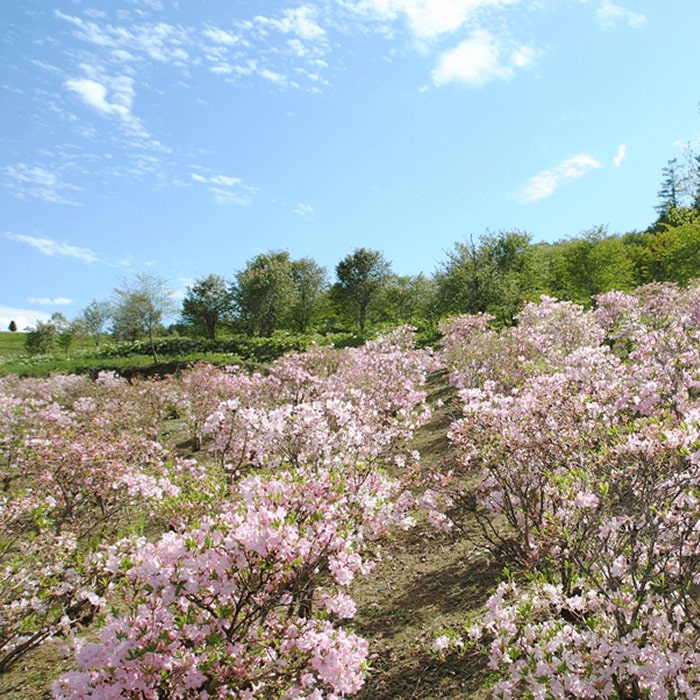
(496,273)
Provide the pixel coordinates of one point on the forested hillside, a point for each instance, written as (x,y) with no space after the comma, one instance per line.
(495,273)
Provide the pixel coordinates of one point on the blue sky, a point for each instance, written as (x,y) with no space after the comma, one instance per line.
(182,138)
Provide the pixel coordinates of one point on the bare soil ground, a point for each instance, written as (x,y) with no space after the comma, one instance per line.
(427,581)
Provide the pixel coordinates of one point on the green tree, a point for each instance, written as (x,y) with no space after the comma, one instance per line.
(361,277)
(670,194)
(264,293)
(310,284)
(94,318)
(206,305)
(139,308)
(410,300)
(592,263)
(673,254)
(42,339)
(487,276)
(65,330)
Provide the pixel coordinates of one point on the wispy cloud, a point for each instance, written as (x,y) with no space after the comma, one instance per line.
(227,189)
(480,59)
(301,21)
(250,48)
(48,301)
(52,248)
(94,94)
(303,209)
(220,36)
(33,182)
(621,153)
(609,15)
(547,182)
(158,41)
(429,18)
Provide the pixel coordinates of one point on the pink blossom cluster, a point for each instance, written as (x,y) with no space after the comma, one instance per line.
(588,477)
(352,405)
(73,467)
(247,603)
(245,594)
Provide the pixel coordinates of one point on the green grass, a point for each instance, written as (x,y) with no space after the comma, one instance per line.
(12,344)
(174,352)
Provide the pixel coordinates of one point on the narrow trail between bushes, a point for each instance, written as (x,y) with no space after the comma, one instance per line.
(426,582)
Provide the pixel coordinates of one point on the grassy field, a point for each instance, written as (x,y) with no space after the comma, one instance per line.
(85,358)
(12,344)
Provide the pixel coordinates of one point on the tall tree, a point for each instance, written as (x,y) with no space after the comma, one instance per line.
(592,263)
(139,308)
(94,318)
(670,194)
(410,299)
(310,283)
(206,304)
(42,339)
(673,254)
(486,276)
(264,293)
(361,276)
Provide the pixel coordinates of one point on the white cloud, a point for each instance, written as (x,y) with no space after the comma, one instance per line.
(219,36)
(608,16)
(162,42)
(27,182)
(545,183)
(94,94)
(479,59)
(227,189)
(48,301)
(24,318)
(303,209)
(301,21)
(52,248)
(429,18)
(621,153)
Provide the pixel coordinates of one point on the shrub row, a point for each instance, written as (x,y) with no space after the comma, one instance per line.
(245,347)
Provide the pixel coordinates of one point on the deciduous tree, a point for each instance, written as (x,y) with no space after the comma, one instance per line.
(263,292)
(94,318)
(310,282)
(206,304)
(361,276)
(139,308)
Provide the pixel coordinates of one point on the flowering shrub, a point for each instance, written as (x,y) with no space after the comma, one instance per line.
(69,482)
(246,591)
(246,602)
(588,478)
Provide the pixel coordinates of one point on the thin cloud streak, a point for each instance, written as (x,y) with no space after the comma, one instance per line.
(547,182)
(608,16)
(33,182)
(54,249)
(227,189)
(48,301)
(621,154)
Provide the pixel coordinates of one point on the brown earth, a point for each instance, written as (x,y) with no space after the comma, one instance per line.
(426,582)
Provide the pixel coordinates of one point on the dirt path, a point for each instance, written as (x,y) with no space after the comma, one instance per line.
(427,581)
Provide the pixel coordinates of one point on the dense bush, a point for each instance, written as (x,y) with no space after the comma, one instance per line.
(583,431)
